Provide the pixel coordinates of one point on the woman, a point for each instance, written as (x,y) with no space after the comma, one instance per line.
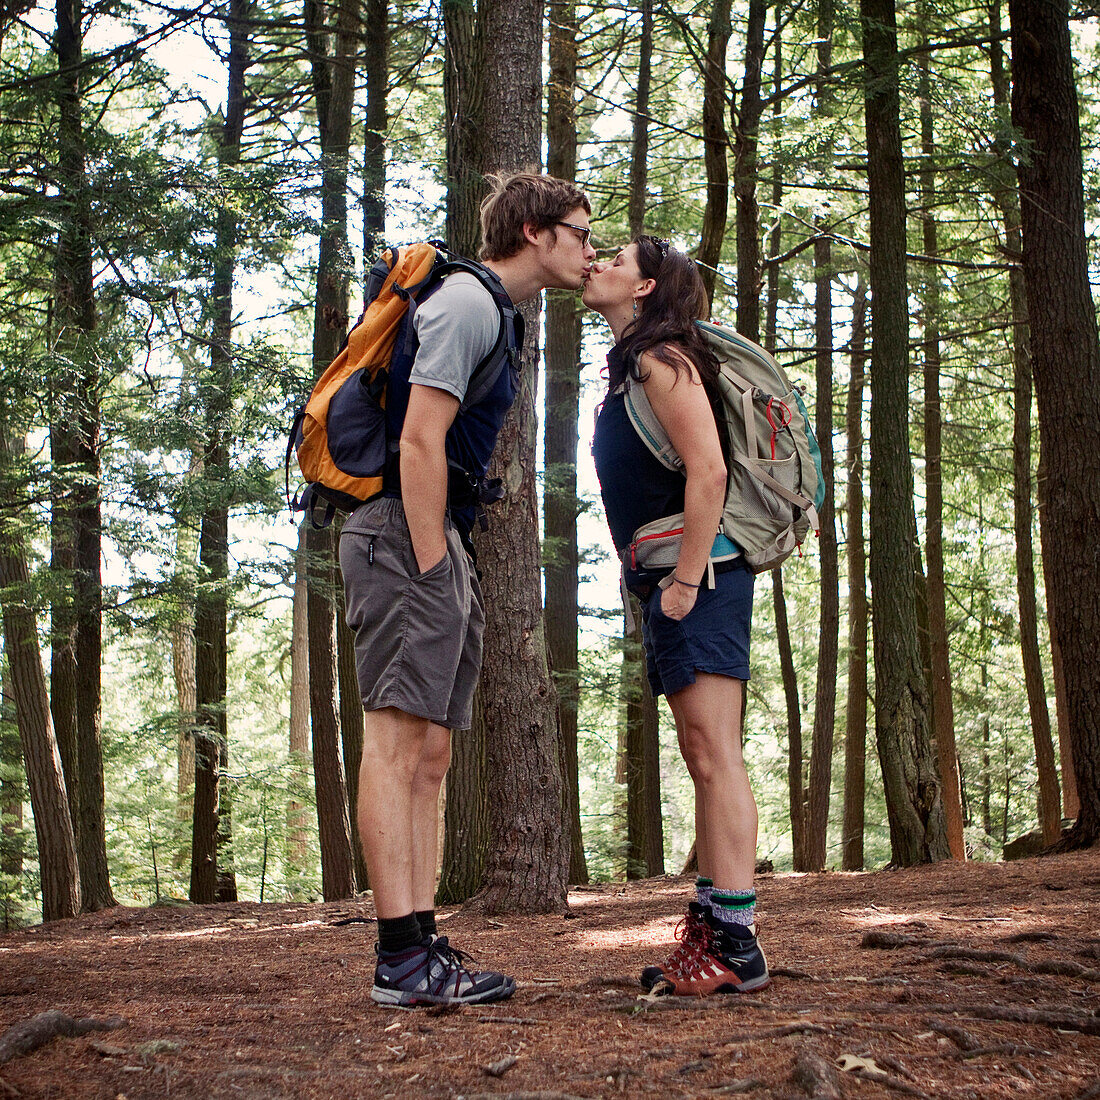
(695,620)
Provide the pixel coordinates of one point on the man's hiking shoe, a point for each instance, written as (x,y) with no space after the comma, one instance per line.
(723,961)
(692,932)
(435,973)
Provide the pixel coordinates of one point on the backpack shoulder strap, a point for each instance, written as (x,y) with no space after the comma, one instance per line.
(506,349)
(645,422)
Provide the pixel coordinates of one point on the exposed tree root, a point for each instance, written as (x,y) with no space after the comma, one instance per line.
(1063,967)
(779,1032)
(887,941)
(794,974)
(815,1076)
(1067,1020)
(742,1085)
(29,1035)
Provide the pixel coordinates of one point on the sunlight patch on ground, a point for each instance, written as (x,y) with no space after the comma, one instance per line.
(872,917)
(652,934)
(579,898)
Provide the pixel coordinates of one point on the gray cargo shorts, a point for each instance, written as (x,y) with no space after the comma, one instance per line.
(418,636)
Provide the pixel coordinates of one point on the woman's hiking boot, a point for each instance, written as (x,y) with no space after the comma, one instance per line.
(691,932)
(727,959)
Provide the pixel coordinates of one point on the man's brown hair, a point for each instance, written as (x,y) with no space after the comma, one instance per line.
(524,198)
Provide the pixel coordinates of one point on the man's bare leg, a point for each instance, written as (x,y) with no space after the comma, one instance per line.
(435,758)
(392,745)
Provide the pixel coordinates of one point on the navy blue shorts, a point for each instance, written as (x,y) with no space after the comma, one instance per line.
(712,637)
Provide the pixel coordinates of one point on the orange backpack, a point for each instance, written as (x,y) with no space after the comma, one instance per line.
(343,435)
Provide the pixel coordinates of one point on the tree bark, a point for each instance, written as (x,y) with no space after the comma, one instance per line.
(334,95)
(913,801)
(466,815)
(1008,205)
(639,148)
(376,64)
(528,858)
(561,504)
(1071,805)
(463,93)
(57,855)
(1065,351)
(943,709)
(715,144)
(210,837)
(746,128)
(351,731)
(795,778)
(796,781)
(12,795)
(466,836)
(80,508)
(821,750)
(297,837)
(645,848)
(855,737)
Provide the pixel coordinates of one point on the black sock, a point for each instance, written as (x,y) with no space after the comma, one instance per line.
(398,933)
(426,919)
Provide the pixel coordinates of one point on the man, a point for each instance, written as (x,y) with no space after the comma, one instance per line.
(412,594)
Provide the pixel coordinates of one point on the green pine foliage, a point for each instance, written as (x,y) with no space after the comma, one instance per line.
(151,126)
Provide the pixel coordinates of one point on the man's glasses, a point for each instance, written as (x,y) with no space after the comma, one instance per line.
(583,230)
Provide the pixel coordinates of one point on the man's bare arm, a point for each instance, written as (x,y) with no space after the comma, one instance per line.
(430,414)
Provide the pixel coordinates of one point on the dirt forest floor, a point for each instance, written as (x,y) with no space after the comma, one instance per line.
(968,982)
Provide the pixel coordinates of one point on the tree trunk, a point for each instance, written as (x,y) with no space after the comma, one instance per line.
(795,778)
(746,127)
(943,710)
(376,64)
(351,732)
(639,746)
(183,674)
(57,856)
(75,316)
(333,824)
(528,858)
(913,802)
(12,794)
(796,782)
(297,837)
(1071,804)
(715,144)
(1065,352)
(463,93)
(466,815)
(334,95)
(855,738)
(821,751)
(645,847)
(1007,200)
(639,150)
(561,505)
(210,837)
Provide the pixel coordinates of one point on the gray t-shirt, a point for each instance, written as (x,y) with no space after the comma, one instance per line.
(456,327)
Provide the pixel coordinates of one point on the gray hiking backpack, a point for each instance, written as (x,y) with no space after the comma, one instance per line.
(774,486)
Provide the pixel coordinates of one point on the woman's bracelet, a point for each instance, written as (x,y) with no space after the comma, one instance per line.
(686,584)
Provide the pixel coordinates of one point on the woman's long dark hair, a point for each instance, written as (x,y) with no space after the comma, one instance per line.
(665,324)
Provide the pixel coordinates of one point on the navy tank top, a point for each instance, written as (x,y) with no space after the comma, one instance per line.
(635,486)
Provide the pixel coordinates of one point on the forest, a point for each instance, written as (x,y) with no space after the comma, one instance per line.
(899,201)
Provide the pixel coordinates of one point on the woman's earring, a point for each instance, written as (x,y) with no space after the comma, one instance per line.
(634,308)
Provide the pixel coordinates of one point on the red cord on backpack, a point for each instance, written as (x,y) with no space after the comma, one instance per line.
(784,419)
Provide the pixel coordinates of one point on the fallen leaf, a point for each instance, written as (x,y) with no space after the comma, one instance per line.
(852,1063)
